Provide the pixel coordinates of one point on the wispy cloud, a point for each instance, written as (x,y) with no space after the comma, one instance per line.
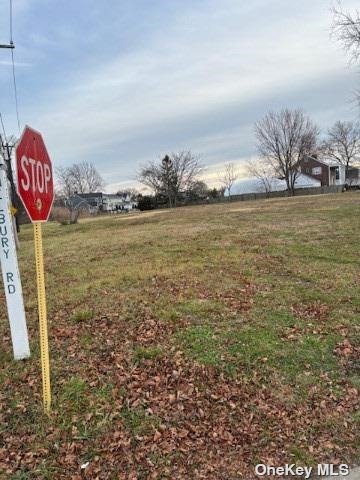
(8,63)
(179,75)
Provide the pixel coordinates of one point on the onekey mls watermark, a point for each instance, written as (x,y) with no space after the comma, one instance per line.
(292,470)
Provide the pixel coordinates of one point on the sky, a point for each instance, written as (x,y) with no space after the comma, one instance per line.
(121,83)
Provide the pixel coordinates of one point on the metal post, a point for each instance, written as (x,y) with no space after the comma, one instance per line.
(44,344)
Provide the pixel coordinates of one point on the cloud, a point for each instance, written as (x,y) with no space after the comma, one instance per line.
(179,75)
(8,63)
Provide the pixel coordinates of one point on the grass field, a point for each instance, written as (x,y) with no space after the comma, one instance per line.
(190,344)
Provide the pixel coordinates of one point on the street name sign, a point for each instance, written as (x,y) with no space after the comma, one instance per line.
(10,273)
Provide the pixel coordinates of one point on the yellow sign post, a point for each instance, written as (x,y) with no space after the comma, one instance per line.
(44,343)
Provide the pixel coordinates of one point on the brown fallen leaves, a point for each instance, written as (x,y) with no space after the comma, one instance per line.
(313,311)
(195,423)
(168,417)
(349,355)
(209,426)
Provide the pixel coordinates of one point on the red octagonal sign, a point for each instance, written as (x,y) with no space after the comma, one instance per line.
(35,183)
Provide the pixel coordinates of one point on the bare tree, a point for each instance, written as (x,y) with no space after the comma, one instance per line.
(74,180)
(85,178)
(343,143)
(346,28)
(80,178)
(283,139)
(187,168)
(171,175)
(199,190)
(228,177)
(150,175)
(65,193)
(264,172)
(160,177)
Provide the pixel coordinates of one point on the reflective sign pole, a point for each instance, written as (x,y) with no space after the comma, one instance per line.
(44,344)
(10,274)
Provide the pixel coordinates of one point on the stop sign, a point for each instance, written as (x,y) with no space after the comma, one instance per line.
(34,175)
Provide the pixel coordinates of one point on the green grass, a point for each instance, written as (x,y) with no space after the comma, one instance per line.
(74,391)
(250,300)
(147,353)
(82,316)
(201,344)
(138,422)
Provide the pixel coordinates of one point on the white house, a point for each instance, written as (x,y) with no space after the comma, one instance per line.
(116,203)
(104,202)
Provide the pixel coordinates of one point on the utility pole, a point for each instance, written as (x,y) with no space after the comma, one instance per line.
(6,150)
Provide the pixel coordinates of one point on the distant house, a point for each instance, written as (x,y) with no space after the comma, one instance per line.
(114,203)
(103,202)
(328,171)
(87,201)
(94,200)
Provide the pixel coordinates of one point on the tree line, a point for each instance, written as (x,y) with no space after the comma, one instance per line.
(283,138)
(174,180)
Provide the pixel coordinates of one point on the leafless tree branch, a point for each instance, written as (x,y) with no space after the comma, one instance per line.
(171,175)
(228,176)
(79,178)
(283,138)
(346,29)
(264,172)
(343,143)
